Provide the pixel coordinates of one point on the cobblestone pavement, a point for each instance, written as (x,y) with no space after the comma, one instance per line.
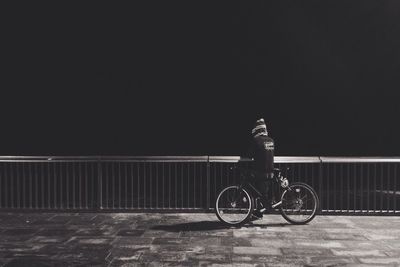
(138,239)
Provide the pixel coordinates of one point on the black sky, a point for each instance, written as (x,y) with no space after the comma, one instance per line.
(184,78)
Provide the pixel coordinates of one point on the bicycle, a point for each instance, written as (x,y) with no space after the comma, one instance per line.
(235,204)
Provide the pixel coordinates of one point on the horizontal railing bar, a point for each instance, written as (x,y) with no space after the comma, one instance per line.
(297,160)
(47,160)
(358,159)
(226,159)
(103,158)
(277,159)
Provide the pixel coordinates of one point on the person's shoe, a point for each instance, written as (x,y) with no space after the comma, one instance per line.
(257,215)
(266,210)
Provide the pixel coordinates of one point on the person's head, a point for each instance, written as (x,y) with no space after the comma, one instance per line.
(259,128)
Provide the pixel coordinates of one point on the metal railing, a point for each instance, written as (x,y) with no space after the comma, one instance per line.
(360,185)
(344,185)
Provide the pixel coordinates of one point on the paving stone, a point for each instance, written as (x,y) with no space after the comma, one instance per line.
(109,230)
(129,241)
(47,223)
(130,232)
(309,235)
(171,241)
(90,240)
(15,222)
(20,231)
(306,251)
(330,261)
(206,263)
(72,217)
(14,238)
(205,241)
(262,242)
(211,257)
(374,236)
(80,217)
(125,254)
(219,249)
(29,254)
(177,264)
(48,239)
(152,233)
(235,242)
(56,232)
(319,244)
(83,255)
(207,233)
(89,232)
(95,241)
(132,263)
(357,252)
(257,250)
(255,234)
(3,261)
(394,244)
(375,245)
(21,248)
(242,264)
(342,236)
(271,260)
(177,248)
(393,253)
(343,230)
(34,262)
(170,256)
(380,260)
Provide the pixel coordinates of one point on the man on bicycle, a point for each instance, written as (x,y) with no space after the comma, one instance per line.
(262,151)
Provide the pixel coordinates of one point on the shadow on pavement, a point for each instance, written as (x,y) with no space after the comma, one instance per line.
(210,225)
(260,225)
(191,226)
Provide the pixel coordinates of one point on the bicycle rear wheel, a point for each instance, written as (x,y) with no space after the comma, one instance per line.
(299,203)
(234,206)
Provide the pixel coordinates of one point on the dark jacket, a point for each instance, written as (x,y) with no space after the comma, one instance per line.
(262,150)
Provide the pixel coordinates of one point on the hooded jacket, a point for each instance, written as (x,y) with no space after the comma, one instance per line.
(262,150)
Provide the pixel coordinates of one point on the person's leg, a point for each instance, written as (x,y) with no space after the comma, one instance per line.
(264,183)
(261,184)
(267,196)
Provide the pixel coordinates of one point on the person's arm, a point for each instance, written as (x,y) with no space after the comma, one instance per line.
(249,153)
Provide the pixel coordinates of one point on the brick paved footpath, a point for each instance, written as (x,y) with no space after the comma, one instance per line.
(126,239)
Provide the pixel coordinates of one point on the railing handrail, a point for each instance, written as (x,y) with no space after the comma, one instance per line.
(277,159)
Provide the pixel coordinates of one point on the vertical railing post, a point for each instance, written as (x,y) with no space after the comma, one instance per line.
(320,184)
(99,203)
(208,183)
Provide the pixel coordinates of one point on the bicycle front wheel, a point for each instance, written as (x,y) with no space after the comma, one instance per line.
(299,203)
(234,206)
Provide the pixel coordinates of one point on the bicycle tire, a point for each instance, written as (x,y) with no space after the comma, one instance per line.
(243,219)
(298,203)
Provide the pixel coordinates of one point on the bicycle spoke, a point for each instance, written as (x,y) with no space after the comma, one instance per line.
(299,204)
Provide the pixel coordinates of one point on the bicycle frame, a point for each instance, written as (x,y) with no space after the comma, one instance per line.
(245,183)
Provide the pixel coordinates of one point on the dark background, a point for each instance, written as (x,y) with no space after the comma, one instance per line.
(184,78)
